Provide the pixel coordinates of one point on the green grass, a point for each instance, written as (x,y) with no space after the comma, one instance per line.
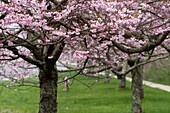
(158,76)
(100,98)
(158,72)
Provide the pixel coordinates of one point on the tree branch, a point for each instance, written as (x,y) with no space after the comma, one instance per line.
(137,65)
(79,72)
(146,47)
(26,58)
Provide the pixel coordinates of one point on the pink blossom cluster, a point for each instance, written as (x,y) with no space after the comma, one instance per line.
(95,28)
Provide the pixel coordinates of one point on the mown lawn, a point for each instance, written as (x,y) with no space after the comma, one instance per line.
(158,72)
(100,98)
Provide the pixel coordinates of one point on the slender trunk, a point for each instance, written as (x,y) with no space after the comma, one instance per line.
(107,77)
(122,83)
(137,89)
(48,90)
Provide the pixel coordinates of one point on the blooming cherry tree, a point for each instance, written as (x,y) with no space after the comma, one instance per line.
(108,31)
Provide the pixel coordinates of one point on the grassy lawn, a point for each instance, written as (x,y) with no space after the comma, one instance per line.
(158,72)
(100,98)
(157,75)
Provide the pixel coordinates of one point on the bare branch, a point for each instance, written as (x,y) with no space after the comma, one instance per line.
(79,72)
(118,73)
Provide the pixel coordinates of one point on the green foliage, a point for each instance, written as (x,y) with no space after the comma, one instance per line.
(99,98)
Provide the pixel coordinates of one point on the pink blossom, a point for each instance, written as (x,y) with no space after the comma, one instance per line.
(1,44)
(10,43)
(98,21)
(59,33)
(47,28)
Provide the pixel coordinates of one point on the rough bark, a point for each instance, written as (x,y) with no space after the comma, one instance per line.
(48,78)
(48,90)
(137,89)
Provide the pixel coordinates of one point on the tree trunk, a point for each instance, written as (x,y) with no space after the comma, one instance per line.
(107,77)
(48,90)
(137,89)
(122,83)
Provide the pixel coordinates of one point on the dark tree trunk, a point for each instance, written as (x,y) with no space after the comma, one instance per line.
(122,83)
(48,90)
(48,78)
(137,89)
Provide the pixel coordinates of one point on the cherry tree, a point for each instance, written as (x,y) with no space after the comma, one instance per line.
(134,34)
(102,32)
